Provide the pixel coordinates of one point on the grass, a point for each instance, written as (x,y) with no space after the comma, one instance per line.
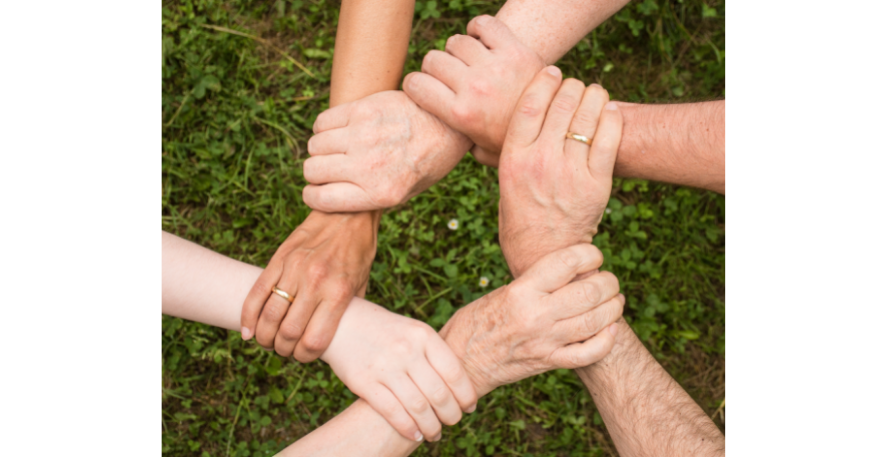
(243,82)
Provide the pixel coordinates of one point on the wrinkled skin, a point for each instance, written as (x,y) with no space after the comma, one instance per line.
(474,86)
(554,190)
(541,321)
(376,153)
(324,263)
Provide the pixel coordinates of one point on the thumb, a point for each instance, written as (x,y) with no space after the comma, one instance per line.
(559,268)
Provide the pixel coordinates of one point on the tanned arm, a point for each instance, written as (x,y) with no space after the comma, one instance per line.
(646,411)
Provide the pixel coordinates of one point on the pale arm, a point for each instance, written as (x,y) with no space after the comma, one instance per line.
(645,410)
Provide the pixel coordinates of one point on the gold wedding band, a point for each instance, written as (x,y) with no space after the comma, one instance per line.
(283,294)
(579,138)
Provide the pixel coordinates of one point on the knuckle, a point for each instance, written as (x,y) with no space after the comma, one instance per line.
(480,88)
(440,396)
(462,113)
(590,293)
(419,405)
(530,106)
(583,117)
(592,322)
(317,272)
(290,331)
(313,342)
(564,104)
(569,258)
(273,313)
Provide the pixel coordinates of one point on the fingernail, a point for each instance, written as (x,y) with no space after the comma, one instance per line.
(411,82)
(596,85)
(244,333)
(419,436)
(553,71)
(482,20)
(436,438)
(472,409)
(613,328)
(611,106)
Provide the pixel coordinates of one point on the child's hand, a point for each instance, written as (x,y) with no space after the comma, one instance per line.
(402,368)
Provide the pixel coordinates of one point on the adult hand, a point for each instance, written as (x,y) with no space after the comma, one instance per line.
(545,319)
(323,264)
(376,153)
(402,368)
(474,86)
(554,190)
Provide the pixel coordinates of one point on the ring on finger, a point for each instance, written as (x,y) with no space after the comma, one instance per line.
(289,298)
(579,138)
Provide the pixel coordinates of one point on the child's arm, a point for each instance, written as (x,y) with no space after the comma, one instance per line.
(400,366)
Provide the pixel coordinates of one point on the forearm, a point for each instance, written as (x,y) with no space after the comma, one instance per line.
(371,47)
(359,430)
(553,28)
(207,287)
(204,286)
(679,144)
(645,410)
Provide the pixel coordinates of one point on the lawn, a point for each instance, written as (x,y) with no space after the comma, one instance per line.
(242,84)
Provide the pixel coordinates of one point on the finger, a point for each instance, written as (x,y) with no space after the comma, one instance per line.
(258,295)
(292,327)
(560,113)
(529,113)
(276,308)
(450,369)
(467,49)
(558,268)
(584,326)
(338,197)
(445,68)
(585,122)
(485,157)
(578,355)
(431,95)
(332,141)
(323,324)
(416,404)
(605,146)
(327,169)
(579,297)
(333,118)
(492,32)
(436,392)
(388,406)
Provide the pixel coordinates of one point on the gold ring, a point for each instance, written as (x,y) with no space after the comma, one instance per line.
(283,294)
(579,138)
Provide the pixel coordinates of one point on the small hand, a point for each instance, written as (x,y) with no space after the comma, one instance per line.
(376,153)
(539,322)
(322,264)
(402,368)
(554,190)
(474,86)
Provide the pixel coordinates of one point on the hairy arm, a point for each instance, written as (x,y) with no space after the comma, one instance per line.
(681,144)
(646,411)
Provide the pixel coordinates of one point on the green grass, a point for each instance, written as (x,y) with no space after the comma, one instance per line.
(236,117)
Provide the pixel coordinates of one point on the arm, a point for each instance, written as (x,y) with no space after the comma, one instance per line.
(645,410)
(327,259)
(474,86)
(681,144)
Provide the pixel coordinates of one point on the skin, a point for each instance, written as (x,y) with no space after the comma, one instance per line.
(645,410)
(494,337)
(399,366)
(474,86)
(327,259)
(553,190)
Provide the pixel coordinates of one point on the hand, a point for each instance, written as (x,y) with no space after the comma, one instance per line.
(402,368)
(376,153)
(474,86)
(539,322)
(323,264)
(553,190)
